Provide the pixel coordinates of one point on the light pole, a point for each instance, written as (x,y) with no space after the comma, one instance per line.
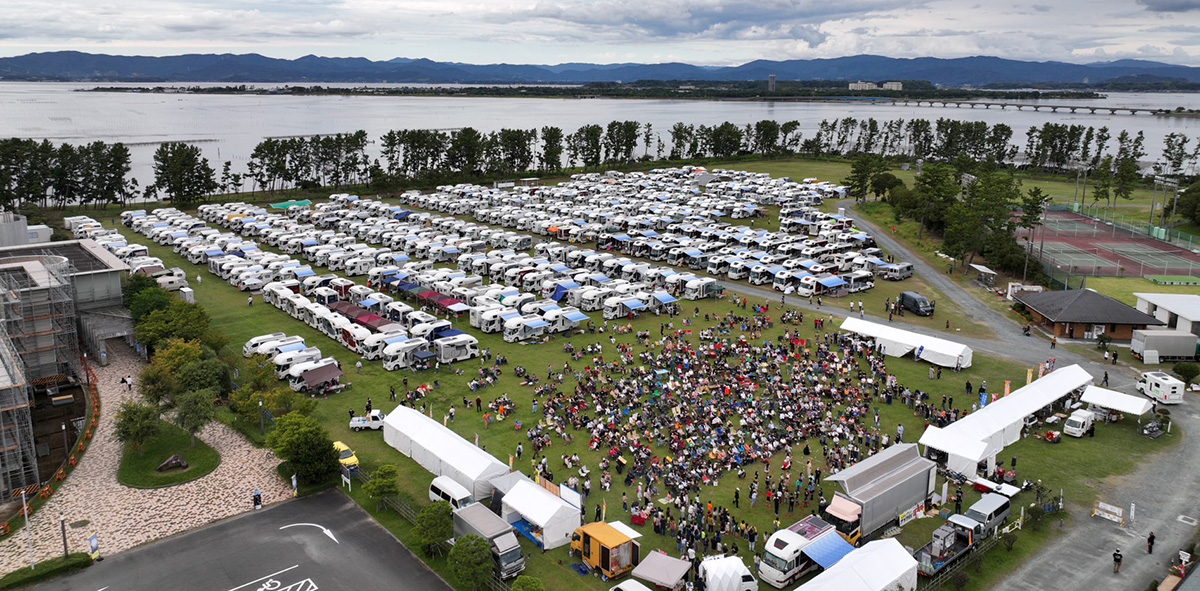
(62,523)
(66,446)
(262,429)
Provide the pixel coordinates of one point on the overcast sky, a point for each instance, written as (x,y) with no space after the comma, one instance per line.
(705,32)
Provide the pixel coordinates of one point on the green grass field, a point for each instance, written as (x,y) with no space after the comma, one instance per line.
(1058,465)
(1123,288)
(138,467)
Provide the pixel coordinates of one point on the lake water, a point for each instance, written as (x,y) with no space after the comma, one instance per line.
(228,127)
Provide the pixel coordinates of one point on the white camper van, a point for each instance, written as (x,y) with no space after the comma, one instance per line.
(252,344)
(1161,387)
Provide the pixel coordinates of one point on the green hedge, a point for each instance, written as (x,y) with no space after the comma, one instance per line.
(285,472)
(46,570)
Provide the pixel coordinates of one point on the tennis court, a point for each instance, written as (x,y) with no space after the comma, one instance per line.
(1062,252)
(1073,227)
(1146,254)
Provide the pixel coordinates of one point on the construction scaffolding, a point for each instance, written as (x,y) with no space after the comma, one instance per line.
(39,316)
(18,456)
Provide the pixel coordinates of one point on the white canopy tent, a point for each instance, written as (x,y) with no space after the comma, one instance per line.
(898,342)
(441,451)
(963,453)
(881,565)
(1113,400)
(661,570)
(556,518)
(999,424)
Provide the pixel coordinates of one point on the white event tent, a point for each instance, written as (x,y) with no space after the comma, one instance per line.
(442,451)
(898,342)
(556,518)
(1113,400)
(882,565)
(999,424)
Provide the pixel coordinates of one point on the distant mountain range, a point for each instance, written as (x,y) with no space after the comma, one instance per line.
(251,68)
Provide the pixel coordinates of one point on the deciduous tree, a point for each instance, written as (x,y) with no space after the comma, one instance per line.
(305,445)
(136,424)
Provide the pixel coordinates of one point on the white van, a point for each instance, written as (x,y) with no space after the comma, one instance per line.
(1161,387)
(898,271)
(172,283)
(444,488)
(253,344)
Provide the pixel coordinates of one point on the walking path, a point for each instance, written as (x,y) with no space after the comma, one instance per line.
(125,517)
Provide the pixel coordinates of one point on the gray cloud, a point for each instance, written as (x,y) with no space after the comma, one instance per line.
(702,19)
(1170,5)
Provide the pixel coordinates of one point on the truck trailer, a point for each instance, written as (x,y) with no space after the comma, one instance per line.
(873,493)
(1170,345)
(501,537)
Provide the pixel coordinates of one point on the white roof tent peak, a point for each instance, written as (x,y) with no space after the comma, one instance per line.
(898,342)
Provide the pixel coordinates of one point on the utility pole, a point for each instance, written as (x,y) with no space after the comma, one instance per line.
(62,523)
(262,429)
(28,532)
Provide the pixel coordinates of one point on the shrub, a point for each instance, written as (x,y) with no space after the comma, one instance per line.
(528,583)
(1010,540)
(1034,517)
(1187,371)
(959,579)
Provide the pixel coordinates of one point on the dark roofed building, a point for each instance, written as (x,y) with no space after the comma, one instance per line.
(1084,314)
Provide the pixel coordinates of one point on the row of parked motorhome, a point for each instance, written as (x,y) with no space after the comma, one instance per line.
(342,311)
(658,216)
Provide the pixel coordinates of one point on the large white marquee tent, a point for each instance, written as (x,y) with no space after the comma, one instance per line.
(999,424)
(441,450)
(898,342)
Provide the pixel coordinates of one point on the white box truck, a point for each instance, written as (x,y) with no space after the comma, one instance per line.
(1170,345)
(501,537)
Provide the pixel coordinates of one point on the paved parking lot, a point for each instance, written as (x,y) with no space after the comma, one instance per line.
(281,548)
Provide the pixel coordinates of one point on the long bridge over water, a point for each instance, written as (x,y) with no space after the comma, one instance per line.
(1114,110)
(974,104)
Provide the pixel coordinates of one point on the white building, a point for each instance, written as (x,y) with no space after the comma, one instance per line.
(893,86)
(1179,311)
(860,85)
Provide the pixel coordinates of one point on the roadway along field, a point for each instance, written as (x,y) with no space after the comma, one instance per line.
(282,548)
